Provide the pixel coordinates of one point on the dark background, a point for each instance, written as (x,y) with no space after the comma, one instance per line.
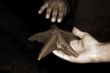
(18,21)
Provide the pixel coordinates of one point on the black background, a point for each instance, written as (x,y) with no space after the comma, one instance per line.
(19,20)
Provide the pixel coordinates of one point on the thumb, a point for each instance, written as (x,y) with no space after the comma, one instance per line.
(84,35)
(78,32)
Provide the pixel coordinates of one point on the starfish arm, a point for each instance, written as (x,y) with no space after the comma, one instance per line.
(52,38)
(48,47)
(68,36)
(41,37)
(65,47)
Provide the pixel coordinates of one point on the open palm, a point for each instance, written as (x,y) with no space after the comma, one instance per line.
(87,48)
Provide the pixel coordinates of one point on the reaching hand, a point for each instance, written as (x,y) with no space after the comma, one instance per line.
(87,48)
(58,8)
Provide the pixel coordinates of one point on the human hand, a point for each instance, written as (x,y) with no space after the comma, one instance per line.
(87,48)
(58,9)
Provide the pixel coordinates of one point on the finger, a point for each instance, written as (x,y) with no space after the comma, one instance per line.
(54,14)
(60,16)
(82,58)
(86,36)
(63,56)
(65,11)
(48,12)
(43,8)
(78,32)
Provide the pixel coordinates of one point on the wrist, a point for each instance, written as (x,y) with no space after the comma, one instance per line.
(104,52)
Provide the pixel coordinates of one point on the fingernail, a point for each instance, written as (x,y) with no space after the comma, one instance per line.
(59,20)
(47,16)
(53,20)
(39,12)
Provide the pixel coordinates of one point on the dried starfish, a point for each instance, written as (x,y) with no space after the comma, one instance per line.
(54,39)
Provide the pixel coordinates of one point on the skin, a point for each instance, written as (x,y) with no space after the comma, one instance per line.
(54,39)
(55,10)
(89,49)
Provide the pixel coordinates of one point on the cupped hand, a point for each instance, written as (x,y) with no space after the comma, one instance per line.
(87,48)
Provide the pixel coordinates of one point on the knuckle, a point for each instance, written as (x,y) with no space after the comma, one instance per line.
(49,10)
(55,13)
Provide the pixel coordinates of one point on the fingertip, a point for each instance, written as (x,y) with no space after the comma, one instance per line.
(43,7)
(77,32)
(47,16)
(53,20)
(39,12)
(59,20)
(74,30)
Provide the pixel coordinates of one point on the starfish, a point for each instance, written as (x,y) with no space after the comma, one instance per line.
(54,39)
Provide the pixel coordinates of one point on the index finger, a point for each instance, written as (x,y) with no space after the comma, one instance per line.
(44,6)
(63,56)
(83,58)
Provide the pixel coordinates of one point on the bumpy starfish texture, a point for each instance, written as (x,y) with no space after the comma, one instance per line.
(54,39)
